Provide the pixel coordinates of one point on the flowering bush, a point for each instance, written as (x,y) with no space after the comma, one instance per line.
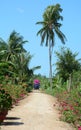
(70,107)
(5,104)
(5,100)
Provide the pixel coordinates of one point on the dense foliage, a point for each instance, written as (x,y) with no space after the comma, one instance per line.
(16,78)
(15,59)
(5,100)
(66,87)
(67,63)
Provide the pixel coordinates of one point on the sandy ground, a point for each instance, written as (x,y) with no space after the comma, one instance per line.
(36,112)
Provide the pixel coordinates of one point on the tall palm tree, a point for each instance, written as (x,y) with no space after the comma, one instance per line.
(13,47)
(50,28)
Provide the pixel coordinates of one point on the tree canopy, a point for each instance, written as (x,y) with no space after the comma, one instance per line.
(67,63)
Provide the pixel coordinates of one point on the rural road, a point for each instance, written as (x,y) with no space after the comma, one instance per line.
(36,112)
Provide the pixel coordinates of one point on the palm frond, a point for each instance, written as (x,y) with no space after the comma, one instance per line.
(61,36)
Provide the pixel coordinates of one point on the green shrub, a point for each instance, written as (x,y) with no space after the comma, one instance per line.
(16,91)
(5,100)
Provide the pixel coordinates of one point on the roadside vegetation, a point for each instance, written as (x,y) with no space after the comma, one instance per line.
(16,78)
(66,86)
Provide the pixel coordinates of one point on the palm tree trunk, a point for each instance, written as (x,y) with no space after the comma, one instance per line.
(50,65)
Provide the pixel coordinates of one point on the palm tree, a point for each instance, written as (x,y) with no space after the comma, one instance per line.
(16,57)
(22,66)
(51,27)
(10,51)
(67,63)
(13,47)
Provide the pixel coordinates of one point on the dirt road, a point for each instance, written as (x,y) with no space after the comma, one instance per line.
(36,112)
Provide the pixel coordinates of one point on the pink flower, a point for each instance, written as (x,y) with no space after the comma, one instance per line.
(71,108)
(65,109)
(36,81)
(79,128)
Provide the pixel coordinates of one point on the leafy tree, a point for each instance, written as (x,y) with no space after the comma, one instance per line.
(51,27)
(67,63)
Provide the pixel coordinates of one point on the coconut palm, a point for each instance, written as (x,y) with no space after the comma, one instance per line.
(51,28)
(17,58)
(10,51)
(67,63)
(13,47)
(22,66)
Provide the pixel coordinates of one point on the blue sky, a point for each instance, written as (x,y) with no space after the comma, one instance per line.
(21,16)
